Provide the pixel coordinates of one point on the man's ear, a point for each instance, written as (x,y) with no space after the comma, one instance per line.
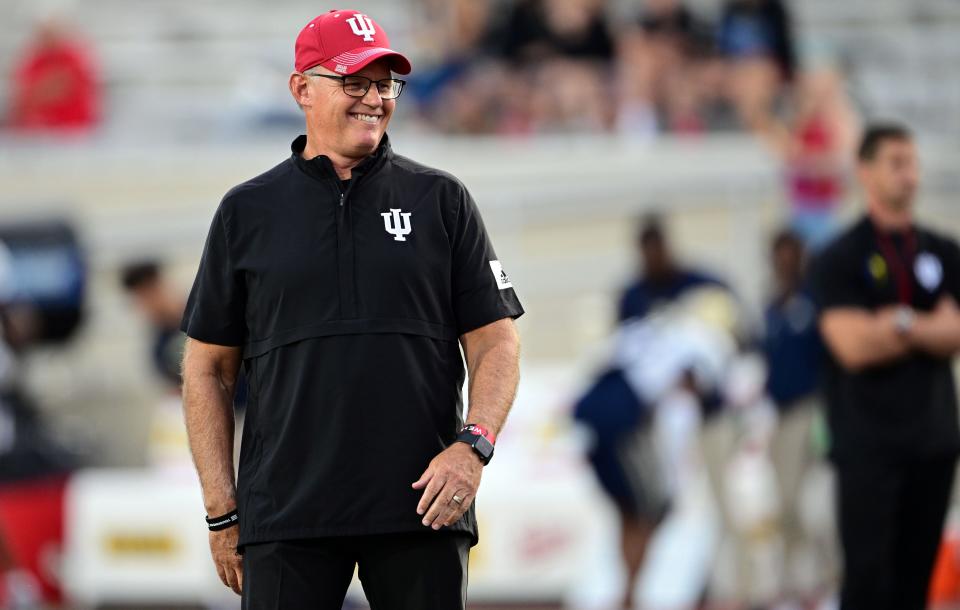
(299,89)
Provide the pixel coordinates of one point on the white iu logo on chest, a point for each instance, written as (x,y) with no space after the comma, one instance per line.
(362,26)
(397,223)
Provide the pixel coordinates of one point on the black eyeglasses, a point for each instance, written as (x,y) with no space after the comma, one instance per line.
(357,86)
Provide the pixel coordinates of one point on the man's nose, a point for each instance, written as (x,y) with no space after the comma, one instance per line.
(372,96)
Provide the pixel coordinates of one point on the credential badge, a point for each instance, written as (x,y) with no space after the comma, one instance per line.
(929,271)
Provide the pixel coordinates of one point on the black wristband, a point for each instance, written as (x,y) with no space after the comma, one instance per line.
(221,523)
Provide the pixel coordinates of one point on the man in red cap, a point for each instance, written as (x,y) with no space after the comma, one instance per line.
(345,281)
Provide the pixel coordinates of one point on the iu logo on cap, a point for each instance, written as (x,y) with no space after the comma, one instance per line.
(397,224)
(362,26)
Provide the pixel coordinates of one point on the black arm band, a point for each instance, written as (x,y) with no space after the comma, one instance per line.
(221,523)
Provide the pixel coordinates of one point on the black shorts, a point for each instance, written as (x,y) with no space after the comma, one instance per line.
(415,571)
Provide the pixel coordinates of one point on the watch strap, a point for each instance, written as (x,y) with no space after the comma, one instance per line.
(479,439)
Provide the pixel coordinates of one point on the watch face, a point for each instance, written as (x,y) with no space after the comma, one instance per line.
(904,319)
(484,447)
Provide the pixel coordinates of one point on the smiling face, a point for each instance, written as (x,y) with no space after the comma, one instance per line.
(338,124)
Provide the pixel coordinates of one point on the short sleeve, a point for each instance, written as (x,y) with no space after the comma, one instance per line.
(633,303)
(624,306)
(482,290)
(834,281)
(951,264)
(215,308)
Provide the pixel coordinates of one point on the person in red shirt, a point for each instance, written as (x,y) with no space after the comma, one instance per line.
(55,84)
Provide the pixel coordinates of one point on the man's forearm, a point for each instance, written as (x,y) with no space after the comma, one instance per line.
(881,343)
(494,375)
(937,334)
(860,339)
(208,410)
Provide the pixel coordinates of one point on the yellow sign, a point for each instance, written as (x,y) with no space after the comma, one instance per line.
(141,545)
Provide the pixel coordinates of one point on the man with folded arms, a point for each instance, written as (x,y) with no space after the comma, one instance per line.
(888,291)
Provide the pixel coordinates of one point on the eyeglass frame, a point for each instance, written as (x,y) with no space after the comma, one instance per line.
(370,82)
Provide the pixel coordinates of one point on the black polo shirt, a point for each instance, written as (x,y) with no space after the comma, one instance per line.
(348,306)
(905,409)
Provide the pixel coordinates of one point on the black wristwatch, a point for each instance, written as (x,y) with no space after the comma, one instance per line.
(478,438)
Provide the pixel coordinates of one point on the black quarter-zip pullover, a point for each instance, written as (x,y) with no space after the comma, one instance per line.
(348,305)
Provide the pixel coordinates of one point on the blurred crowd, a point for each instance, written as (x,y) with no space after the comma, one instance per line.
(529,67)
(533,66)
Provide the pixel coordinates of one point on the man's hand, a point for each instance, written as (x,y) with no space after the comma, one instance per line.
(456,471)
(223,547)
(859,338)
(946,308)
(938,332)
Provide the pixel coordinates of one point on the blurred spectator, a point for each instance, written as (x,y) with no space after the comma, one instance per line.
(162,305)
(667,70)
(756,37)
(675,338)
(567,49)
(758,29)
(621,454)
(645,413)
(662,279)
(791,343)
(523,34)
(464,88)
(538,30)
(544,67)
(793,353)
(55,86)
(455,39)
(816,143)
(458,28)
(577,29)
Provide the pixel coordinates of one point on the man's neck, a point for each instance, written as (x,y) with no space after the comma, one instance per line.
(662,276)
(341,164)
(786,289)
(889,220)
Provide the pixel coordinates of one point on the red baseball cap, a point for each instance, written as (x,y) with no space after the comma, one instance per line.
(345,42)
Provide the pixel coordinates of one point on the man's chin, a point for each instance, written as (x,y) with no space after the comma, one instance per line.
(366,145)
(901,204)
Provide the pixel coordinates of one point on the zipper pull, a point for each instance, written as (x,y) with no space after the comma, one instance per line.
(342,195)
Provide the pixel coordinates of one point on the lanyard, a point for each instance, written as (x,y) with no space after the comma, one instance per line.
(897,264)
